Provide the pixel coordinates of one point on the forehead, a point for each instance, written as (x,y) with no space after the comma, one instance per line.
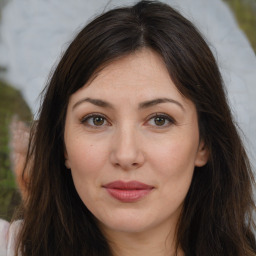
(137,76)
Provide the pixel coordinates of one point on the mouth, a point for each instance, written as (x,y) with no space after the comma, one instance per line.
(128,192)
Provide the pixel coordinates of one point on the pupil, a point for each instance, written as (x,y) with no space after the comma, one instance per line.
(159,121)
(98,121)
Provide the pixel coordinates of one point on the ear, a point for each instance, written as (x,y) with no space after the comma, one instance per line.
(202,155)
(67,164)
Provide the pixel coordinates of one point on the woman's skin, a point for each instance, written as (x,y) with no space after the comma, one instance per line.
(130,123)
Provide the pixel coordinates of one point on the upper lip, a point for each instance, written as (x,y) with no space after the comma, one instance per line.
(130,185)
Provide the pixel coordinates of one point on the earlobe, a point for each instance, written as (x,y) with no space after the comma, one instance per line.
(202,155)
(67,164)
(66,160)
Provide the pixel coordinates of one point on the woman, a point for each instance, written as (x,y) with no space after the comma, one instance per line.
(135,151)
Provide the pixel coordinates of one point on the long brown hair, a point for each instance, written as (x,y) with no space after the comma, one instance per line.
(217,215)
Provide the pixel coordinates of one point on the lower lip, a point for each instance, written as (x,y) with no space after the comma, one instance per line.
(128,196)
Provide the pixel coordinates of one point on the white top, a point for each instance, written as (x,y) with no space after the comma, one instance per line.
(8,233)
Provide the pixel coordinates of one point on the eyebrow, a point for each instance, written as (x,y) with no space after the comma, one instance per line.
(150,103)
(142,105)
(97,102)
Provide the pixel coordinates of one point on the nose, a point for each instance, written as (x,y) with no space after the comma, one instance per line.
(126,150)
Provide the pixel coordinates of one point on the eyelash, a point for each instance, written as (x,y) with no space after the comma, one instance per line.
(85,120)
(163,116)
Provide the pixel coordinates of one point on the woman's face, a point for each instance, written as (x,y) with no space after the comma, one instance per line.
(132,142)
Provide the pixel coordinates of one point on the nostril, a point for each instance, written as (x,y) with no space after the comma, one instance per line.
(126,159)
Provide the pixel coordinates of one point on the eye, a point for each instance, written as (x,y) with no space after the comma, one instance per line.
(161,120)
(94,120)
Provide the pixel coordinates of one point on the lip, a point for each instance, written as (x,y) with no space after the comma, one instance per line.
(128,192)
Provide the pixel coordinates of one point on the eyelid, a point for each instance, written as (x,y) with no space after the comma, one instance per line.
(84,119)
(166,116)
(87,117)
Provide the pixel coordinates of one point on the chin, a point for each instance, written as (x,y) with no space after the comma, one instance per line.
(127,223)
(127,227)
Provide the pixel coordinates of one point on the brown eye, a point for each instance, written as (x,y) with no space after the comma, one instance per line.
(94,121)
(159,121)
(98,120)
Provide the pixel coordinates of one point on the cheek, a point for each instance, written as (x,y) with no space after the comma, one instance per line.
(175,168)
(86,160)
(173,160)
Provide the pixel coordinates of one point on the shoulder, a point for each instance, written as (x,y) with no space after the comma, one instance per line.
(4,227)
(8,234)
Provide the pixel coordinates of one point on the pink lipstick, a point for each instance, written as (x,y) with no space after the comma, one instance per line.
(128,192)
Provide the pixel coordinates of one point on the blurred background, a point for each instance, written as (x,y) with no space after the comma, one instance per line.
(33,34)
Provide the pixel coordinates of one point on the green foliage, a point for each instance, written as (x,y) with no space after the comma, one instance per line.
(11,104)
(9,200)
(245,13)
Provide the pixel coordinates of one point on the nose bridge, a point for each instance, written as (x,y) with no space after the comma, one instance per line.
(126,150)
(127,138)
